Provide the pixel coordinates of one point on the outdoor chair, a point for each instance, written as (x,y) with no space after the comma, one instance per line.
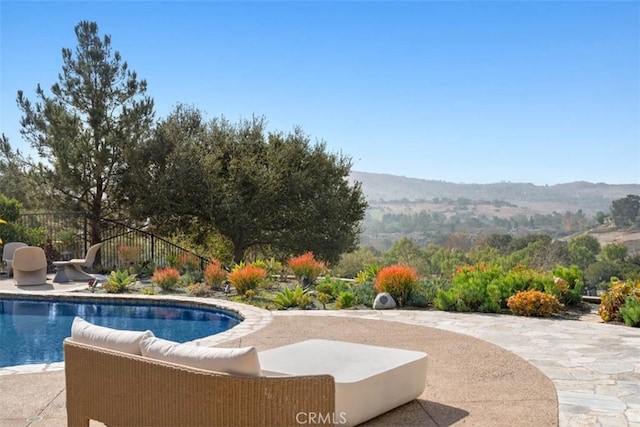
(29,266)
(7,254)
(72,270)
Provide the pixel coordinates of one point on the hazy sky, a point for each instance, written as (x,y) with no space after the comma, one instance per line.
(544,92)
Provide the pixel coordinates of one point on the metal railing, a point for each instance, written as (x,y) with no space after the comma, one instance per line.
(69,234)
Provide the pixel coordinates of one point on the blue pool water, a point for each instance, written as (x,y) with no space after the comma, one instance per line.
(32,330)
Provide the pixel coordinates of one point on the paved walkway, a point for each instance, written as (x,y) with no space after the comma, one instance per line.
(595,367)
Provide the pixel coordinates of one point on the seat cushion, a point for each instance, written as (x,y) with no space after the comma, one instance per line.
(369,380)
(240,361)
(113,339)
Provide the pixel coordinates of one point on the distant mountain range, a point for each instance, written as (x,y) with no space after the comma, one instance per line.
(589,197)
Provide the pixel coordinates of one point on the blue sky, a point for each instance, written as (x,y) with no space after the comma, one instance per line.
(544,92)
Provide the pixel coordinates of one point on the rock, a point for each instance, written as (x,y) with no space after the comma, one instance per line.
(383,301)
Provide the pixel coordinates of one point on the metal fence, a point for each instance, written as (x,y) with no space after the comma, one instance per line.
(68,235)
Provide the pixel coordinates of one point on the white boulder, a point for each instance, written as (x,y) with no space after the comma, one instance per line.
(383,301)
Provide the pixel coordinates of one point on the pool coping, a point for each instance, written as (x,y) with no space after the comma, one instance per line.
(253,318)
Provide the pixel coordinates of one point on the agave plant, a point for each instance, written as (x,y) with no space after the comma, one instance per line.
(119,281)
(298,297)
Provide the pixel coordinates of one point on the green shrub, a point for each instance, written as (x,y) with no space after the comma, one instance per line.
(426,291)
(271,265)
(365,293)
(447,300)
(368,274)
(345,300)
(199,289)
(187,280)
(486,288)
(473,288)
(145,268)
(332,286)
(352,263)
(249,294)
(630,312)
(326,288)
(533,303)
(324,299)
(569,283)
(119,281)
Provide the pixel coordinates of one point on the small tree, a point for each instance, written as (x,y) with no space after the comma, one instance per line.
(625,211)
(584,250)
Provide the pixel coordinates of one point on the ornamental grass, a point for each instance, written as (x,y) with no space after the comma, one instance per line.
(166,278)
(215,274)
(397,280)
(246,278)
(306,266)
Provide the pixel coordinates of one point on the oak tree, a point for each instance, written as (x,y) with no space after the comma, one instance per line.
(260,189)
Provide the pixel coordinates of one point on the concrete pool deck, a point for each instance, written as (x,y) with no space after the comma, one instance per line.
(496,370)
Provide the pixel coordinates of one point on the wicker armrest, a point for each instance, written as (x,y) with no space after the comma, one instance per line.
(120,389)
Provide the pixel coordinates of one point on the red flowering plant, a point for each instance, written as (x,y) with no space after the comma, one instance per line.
(214,274)
(398,280)
(247,278)
(306,268)
(167,278)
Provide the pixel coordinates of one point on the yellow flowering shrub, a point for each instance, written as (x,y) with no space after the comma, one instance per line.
(614,298)
(533,303)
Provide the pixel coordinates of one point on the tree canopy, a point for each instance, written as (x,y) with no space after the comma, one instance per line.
(259,189)
(96,112)
(625,211)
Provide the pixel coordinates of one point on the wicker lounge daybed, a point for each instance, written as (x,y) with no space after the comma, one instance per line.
(142,380)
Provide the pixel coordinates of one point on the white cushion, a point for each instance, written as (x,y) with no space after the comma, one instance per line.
(241,361)
(112,339)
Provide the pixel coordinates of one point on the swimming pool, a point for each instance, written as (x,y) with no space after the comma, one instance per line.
(32,330)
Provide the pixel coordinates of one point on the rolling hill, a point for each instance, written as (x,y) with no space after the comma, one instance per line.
(588,197)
